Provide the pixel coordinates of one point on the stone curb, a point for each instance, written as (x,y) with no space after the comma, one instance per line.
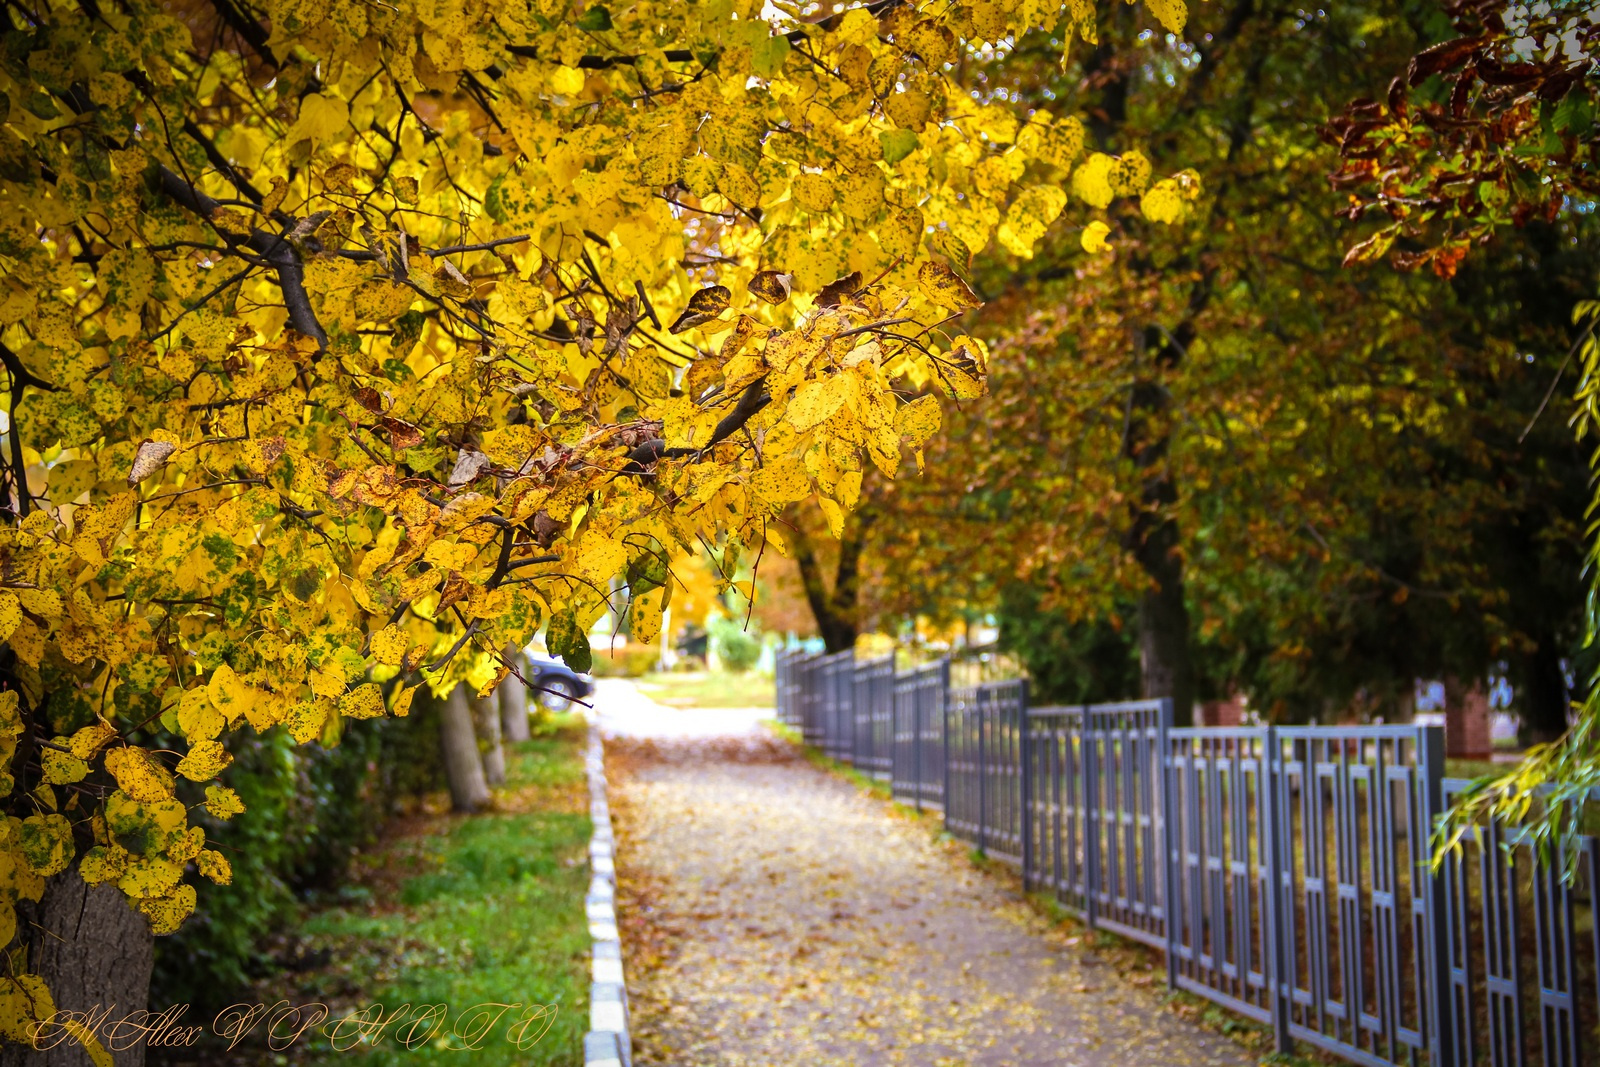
(607,1043)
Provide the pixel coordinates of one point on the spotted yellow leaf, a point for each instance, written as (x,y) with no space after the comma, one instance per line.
(138,774)
(389,645)
(204,761)
(223,802)
(166,913)
(215,866)
(945,288)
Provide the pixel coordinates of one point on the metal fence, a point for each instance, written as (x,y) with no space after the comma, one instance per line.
(1282,870)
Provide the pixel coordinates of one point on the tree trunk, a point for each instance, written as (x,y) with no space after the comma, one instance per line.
(95,953)
(463,765)
(486,721)
(513,697)
(1165,666)
(834,609)
(1542,695)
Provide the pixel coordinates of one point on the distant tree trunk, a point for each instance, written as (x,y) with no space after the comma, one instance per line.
(94,951)
(463,764)
(835,609)
(1166,667)
(1542,695)
(513,697)
(486,721)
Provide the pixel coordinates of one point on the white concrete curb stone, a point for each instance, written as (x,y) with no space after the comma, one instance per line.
(607,1043)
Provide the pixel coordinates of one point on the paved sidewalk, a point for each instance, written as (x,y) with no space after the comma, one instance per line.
(776,915)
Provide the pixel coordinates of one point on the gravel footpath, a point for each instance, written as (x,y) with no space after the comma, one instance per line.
(774,914)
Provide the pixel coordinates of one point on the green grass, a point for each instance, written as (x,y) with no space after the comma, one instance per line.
(702,689)
(478,911)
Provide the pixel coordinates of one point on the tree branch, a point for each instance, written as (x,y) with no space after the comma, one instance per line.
(274,249)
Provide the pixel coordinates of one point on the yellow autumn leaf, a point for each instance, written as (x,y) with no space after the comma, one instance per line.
(87,742)
(223,802)
(215,866)
(1094,238)
(138,774)
(1172,14)
(1091,181)
(103,864)
(204,761)
(782,480)
(1163,202)
(322,119)
(1028,218)
(945,288)
(198,718)
(918,420)
(229,694)
(46,843)
(62,768)
(166,913)
(834,514)
(327,680)
(363,702)
(389,645)
(600,558)
(10,613)
(644,617)
(42,602)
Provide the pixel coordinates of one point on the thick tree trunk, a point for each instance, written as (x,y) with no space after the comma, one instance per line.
(513,696)
(95,953)
(463,765)
(486,721)
(834,609)
(1165,666)
(1542,695)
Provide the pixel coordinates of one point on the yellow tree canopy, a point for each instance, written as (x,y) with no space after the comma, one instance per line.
(347,343)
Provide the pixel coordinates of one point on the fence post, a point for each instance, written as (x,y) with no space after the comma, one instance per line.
(983,773)
(1088,762)
(944,737)
(1276,786)
(1025,783)
(1170,853)
(1440,1000)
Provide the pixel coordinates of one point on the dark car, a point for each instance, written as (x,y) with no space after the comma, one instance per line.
(555,685)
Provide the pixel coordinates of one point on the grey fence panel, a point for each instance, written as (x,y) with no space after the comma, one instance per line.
(1058,802)
(1221,796)
(1127,826)
(985,738)
(917,733)
(838,711)
(964,814)
(873,717)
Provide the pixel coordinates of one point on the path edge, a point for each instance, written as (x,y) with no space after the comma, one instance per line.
(607,1044)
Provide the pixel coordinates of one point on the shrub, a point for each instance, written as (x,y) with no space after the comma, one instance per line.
(737,649)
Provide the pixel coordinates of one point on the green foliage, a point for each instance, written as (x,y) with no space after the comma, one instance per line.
(736,648)
(1068,661)
(307,809)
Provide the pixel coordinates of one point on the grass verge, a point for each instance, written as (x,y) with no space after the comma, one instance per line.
(702,689)
(468,913)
